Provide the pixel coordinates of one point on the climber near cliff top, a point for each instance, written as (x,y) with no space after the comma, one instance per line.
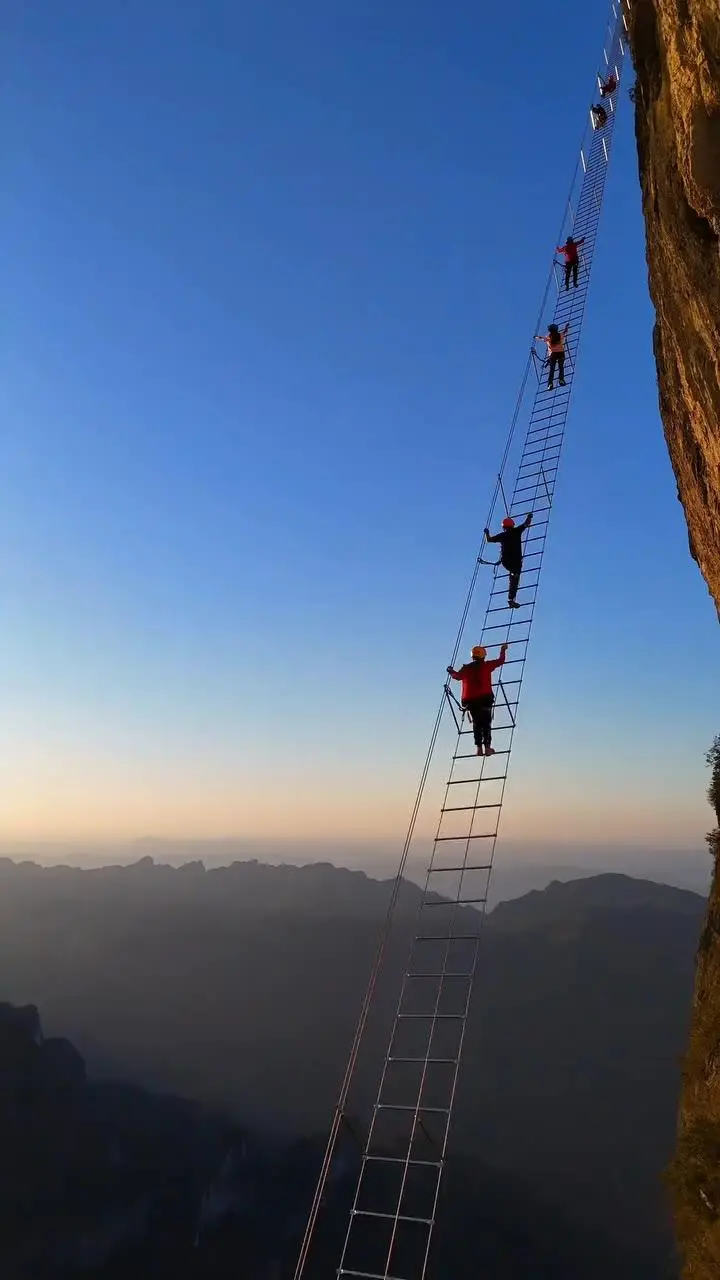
(608,87)
(477,694)
(511,556)
(570,253)
(555,343)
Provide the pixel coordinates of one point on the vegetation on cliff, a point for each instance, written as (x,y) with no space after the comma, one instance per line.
(695,1171)
(676,51)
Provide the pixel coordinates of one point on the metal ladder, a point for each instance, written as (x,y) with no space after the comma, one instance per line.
(395,1204)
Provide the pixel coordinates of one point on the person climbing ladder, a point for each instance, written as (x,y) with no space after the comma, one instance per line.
(511,555)
(477,694)
(555,343)
(572,260)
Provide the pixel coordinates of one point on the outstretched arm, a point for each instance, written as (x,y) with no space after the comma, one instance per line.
(492,537)
(527,521)
(455,674)
(497,662)
(567,326)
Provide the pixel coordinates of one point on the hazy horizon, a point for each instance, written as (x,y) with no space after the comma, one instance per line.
(517,870)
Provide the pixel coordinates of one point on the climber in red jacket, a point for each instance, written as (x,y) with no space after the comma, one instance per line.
(477,694)
(570,253)
(609,86)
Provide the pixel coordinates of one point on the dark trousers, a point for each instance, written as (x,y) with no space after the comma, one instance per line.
(481,713)
(571,269)
(556,358)
(514,572)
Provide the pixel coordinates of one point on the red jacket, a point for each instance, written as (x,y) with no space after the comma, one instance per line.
(477,677)
(570,251)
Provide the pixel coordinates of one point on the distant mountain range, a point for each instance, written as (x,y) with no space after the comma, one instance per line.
(240,987)
(111,1181)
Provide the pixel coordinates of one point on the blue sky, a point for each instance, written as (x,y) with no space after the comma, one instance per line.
(269,274)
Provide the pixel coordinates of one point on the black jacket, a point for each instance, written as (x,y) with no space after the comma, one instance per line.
(511,544)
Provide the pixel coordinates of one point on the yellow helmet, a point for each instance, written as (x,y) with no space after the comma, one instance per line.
(479,651)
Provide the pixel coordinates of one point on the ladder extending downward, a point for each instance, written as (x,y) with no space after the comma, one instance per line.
(394,1208)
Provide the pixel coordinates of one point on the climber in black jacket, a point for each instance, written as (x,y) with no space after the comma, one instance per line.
(511,555)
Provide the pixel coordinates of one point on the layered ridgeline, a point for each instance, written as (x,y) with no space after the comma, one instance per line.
(240,987)
(112,1181)
(676,50)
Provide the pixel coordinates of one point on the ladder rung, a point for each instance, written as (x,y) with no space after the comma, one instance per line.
(426,1017)
(538,486)
(484,866)
(408,1106)
(459,902)
(542,424)
(549,465)
(546,448)
(519,622)
(367,1275)
(460,808)
(499,706)
(390,1217)
(484,836)
(547,420)
(525,573)
(425,1164)
(505,608)
(539,474)
(466,782)
(531,586)
(473,755)
(538,482)
(412,977)
(548,432)
(500,728)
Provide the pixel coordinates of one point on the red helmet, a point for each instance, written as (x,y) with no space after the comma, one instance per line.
(508,523)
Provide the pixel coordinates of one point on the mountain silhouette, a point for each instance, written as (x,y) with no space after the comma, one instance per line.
(240,987)
(110,1180)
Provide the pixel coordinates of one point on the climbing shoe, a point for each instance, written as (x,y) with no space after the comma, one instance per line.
(513,604)
(479,752)
(489,751)
(562,383)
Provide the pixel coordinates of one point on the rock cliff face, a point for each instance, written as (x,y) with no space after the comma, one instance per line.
(676,50)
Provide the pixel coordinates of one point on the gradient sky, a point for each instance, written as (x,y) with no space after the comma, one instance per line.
(270,271)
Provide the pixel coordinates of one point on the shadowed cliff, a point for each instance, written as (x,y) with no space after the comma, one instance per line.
(676,50)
